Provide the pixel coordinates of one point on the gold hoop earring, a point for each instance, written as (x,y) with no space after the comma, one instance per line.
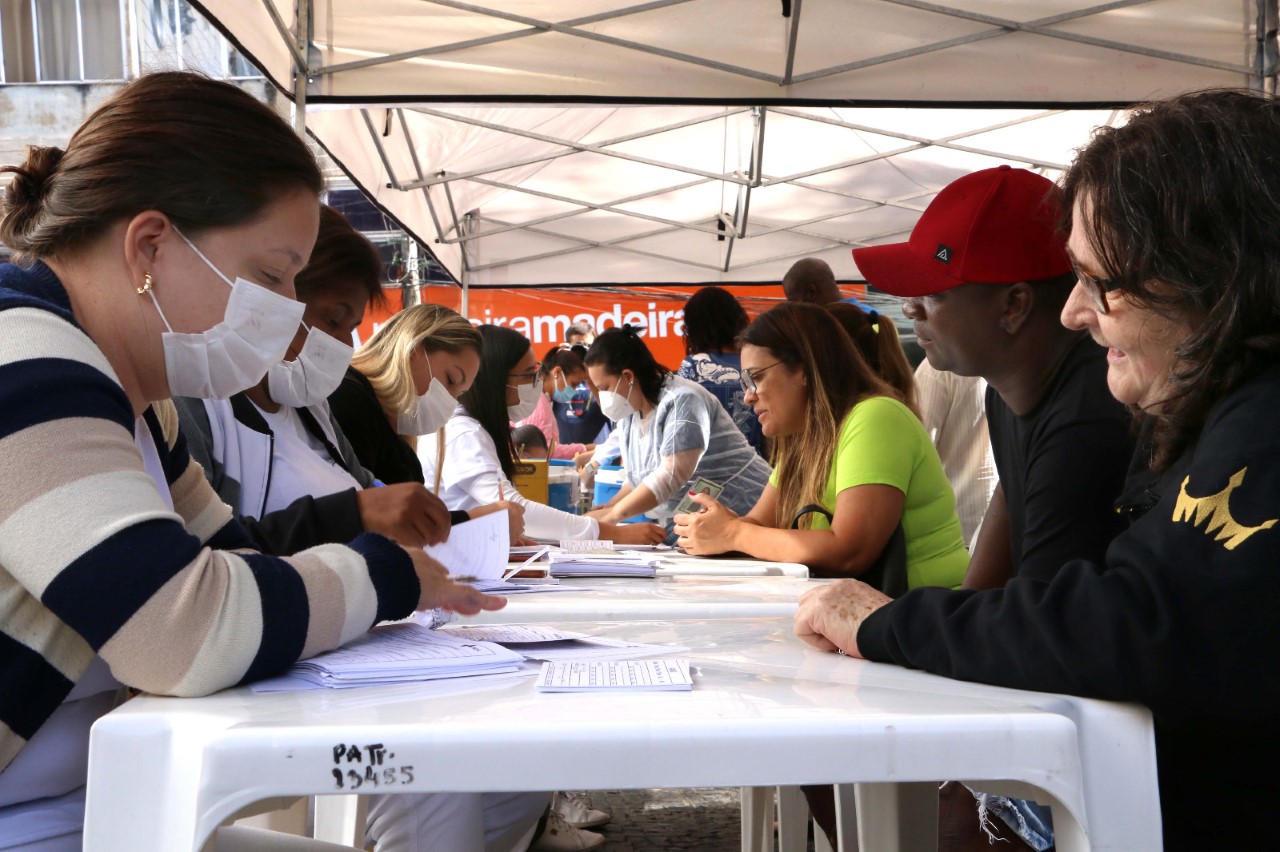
(147,281)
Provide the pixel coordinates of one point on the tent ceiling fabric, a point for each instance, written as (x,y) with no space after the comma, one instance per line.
(573,195)
(744,139)
(1043,51)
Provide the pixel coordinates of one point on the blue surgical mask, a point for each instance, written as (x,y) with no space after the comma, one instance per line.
(562,394)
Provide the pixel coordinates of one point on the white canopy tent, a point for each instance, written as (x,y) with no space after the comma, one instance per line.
(575,142)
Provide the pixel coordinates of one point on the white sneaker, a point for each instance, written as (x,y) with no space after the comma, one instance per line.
(577,811)
(559,836)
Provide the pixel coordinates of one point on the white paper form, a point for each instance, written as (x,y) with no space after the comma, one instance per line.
(594,648)
(477,548)
(618,675)
(511,634)
(404,652)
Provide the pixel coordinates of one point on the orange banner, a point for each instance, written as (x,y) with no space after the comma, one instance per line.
(543,314)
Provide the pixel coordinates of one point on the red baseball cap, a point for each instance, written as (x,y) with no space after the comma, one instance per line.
(996,226)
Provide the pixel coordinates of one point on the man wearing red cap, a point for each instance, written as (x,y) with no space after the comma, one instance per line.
(986,274)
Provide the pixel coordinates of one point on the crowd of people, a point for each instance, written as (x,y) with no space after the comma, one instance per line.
(1075,492)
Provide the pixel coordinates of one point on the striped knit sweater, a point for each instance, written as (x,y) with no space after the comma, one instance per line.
(93,562)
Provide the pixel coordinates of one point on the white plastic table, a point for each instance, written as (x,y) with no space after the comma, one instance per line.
(598,599)
(765,710)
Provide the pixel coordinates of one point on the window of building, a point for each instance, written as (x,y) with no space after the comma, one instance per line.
(69,41)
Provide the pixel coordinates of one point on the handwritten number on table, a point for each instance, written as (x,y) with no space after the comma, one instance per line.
(370,757)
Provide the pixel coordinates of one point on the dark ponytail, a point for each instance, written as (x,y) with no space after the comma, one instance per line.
(876,339)
(486,400)
(621,349)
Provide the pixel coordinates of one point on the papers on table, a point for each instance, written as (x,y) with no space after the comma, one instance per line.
(509,634)
(523,586)
(402,653)
(536,642)
(604,563)
(615,676)
(410,652)
(477,548)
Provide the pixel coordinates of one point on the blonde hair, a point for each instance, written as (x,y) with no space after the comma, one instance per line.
(384,360)
(806,336)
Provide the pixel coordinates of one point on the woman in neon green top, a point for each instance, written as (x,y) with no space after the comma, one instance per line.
(852,464)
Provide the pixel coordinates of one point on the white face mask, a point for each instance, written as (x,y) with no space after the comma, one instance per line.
(432,410)
(313,375)
(615,406)
(235,354)
(528,395)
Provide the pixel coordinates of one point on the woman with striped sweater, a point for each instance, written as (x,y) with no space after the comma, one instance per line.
(157,254)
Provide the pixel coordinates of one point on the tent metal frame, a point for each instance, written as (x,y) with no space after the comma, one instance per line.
(735,226)
(469,228)
(576,28)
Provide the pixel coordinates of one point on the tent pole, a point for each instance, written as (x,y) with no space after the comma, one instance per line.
(466,228)
(1265,55)
(303,71)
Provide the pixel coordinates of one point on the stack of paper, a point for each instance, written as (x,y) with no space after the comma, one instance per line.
(604,563)
(620,676)
(402,653)
(536,642)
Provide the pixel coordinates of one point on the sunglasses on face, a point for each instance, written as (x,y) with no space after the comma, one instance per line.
(1098,288)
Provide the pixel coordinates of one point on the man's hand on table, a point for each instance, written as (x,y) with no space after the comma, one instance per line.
(829,616)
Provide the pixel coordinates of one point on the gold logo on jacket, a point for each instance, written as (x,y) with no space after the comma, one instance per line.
(1214,512)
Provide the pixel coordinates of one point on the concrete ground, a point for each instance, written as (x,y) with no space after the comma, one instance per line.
(698,819)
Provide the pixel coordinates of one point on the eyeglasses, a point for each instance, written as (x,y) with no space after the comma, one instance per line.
(1098,288)
(748,379)
(524,378)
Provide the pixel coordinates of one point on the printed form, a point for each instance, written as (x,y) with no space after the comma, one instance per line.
(615,675)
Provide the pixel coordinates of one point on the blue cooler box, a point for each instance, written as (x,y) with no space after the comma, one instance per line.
(609,481)
(560,476)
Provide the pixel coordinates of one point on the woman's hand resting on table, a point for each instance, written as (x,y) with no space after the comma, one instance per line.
(709,531)
(438,591)
(829,616)
(632,533)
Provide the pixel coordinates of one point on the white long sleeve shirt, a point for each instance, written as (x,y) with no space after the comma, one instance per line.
(472,476)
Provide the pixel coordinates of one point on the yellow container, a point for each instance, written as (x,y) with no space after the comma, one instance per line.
(531,479)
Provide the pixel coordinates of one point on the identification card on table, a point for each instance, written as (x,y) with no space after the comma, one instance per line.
(615,675)
(700,486)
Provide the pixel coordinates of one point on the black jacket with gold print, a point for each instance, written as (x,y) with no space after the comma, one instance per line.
(1184,617)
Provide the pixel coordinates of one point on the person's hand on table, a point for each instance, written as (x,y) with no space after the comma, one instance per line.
(709,531)
(829,616)
(515,516)
(632,533)
(439,592)
(524,541)
(405,512)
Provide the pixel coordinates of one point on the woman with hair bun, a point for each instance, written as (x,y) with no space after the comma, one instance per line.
(157,258)
(672,434)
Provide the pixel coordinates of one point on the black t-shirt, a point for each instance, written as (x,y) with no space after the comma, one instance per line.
(356,408)
(1063,465)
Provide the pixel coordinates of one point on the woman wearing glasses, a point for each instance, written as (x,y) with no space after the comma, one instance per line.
(673,434)
(858,489)
(478,457)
